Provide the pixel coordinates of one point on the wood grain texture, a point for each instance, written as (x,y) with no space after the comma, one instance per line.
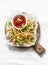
(38,48)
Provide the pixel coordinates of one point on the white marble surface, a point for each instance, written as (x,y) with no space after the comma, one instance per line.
(14,56)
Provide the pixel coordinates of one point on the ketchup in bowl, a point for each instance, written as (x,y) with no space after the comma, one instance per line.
(19,20)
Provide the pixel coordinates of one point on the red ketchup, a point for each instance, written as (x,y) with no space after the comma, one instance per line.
(19,20)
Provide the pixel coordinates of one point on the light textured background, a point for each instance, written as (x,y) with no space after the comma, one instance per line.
(13,56)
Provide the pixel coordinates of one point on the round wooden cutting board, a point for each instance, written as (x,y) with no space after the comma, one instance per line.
(38,48)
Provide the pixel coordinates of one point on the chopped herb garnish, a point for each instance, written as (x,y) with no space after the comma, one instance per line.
(29,26)
(9,23)
(14,32)
(37,30)
(33,39)
(20,42)
(23,27)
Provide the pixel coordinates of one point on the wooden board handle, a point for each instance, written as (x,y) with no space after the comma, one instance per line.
(38,48)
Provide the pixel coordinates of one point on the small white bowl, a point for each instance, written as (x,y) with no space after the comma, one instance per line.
(17,27)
